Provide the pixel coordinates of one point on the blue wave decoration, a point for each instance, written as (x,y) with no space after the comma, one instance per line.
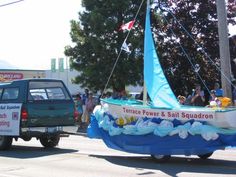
(156,136)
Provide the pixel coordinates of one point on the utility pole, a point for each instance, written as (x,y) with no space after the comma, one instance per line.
(224,48)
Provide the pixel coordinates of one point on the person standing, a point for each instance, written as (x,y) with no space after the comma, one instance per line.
(214,101)
(218,91)
(84,99)
(85,96)
(234,93)
(79,106)
(198,98)
(188,97)
(181,99)
(89,106)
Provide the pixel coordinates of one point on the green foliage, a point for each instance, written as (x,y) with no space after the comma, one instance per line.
(98,41)
(199,18)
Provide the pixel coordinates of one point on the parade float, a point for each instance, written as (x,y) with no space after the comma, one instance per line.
(162,127)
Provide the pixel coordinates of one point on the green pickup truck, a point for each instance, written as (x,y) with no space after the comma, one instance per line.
(40,108)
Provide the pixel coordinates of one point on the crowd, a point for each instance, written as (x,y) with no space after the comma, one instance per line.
(216,97)
(85,103)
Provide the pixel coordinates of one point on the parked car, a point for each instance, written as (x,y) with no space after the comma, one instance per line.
(134,95)
(40,108)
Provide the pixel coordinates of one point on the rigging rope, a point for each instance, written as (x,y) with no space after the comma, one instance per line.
(121,50)
(201,47)
(189,59)
(10,3)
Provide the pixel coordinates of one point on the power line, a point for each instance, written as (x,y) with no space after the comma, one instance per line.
(10,3)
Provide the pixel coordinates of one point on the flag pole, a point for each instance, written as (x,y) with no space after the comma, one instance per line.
(67,71)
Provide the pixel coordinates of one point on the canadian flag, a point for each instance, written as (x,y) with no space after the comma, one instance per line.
(127,26)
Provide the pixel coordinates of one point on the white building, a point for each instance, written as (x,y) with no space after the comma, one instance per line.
(66,76)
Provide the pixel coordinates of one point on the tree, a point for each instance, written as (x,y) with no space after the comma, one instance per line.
(98,42)
(199,19)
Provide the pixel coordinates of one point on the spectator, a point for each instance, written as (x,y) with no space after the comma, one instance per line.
(181,99)
(188,97)
(108,95)
(234,93)
(115,94)
(79,106)
(89,106)
(85,96)
(218,91)
(84,99)
(123,95)
(214,101)
(198,98)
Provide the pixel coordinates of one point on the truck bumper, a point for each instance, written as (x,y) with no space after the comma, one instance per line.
(57,129)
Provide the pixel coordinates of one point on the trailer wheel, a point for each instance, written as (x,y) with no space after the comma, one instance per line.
(161,158)
(5,142)
(50,141)
(205,156)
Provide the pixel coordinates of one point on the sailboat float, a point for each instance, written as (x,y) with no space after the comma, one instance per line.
(163,128)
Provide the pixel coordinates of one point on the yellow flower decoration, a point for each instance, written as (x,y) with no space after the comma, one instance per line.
(225,101)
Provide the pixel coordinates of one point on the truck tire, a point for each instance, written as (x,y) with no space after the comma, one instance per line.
(5,142)
(50,141)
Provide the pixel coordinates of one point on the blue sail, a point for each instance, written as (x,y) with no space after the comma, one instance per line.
(157,86)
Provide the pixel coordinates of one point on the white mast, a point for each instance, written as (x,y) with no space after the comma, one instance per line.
(144,94)
(144,84)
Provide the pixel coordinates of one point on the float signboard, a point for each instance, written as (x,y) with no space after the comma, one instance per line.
(198,115)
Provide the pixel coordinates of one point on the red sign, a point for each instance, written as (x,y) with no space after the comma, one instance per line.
(11,76)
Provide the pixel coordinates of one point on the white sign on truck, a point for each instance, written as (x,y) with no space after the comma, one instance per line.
(10,119)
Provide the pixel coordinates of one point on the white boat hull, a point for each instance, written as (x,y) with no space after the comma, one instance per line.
(216,117)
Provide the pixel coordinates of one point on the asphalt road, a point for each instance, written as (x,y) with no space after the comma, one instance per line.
(79,156)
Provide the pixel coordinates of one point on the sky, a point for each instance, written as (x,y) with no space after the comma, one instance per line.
(34,31)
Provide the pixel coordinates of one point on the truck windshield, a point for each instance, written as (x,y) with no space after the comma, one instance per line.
(39,90)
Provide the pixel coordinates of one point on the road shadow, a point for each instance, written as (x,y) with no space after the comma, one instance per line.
(25,152)
(175,165)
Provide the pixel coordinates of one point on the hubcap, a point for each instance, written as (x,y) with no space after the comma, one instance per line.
(158,156)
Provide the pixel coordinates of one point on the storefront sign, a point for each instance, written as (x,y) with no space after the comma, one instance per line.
(10,76)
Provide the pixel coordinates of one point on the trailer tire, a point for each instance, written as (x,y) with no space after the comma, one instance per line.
(5,142)
(205,156)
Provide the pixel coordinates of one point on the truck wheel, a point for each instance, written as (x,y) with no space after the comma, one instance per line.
(5,142)
(50,141)
(161,158)
(205,156)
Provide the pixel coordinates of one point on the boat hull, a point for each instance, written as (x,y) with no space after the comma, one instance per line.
(218,117)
